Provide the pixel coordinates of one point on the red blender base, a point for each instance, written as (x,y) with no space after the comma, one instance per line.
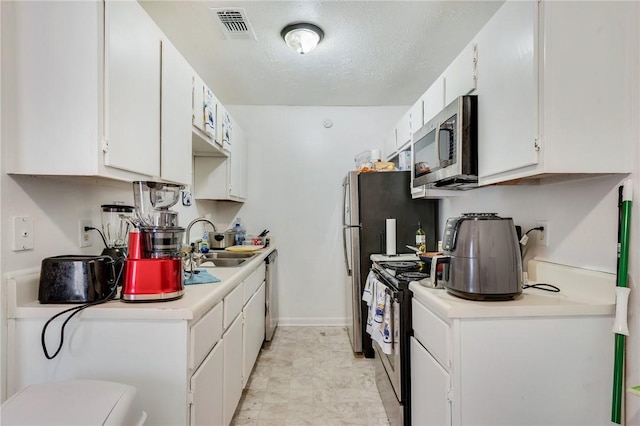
(148,280)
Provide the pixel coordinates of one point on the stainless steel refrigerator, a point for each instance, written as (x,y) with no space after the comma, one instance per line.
(368,200)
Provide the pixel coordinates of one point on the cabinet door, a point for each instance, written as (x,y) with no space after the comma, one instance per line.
(430,385)
(132,73)
(389,143)
(507,100)
(176,163)
(416,114)
(224,130)
(232,368)
(206,390)
(198,103)
(254,317)
(460,75)
(433,100)
(403,130)
(238,167)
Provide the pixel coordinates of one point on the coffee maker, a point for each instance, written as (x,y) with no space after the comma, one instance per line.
(153,266)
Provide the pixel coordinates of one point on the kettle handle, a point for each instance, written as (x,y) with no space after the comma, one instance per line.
(435,261)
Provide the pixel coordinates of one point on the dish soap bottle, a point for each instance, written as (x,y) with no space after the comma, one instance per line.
(421,239)
(204,244)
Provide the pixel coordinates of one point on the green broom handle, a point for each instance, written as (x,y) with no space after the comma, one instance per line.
(618,367)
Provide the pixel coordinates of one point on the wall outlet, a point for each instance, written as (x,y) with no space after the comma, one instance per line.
(85,236)
(542,237)
(22,233)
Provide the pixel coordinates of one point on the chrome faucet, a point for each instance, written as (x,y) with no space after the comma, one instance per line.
(193,222)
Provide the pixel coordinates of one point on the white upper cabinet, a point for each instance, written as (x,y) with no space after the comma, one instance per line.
(207,129)
(557,90)
(389,143)
(224,129)
(223,178)
(459,77)
(433,100)
(403,130)
(89,98)
(416,114)
(507,99)
(198,102)
(176,158)
(238,166)
(132,46)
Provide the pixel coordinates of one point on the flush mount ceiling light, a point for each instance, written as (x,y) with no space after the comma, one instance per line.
(302,37)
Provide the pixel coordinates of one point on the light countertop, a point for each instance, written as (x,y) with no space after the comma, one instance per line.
(582,292)
(22,295)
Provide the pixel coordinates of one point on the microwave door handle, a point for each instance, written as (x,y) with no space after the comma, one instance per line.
(438,145)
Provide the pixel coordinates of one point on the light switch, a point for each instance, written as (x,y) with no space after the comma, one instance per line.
(22,233)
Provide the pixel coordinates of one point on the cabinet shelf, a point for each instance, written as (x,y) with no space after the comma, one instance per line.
(202,147)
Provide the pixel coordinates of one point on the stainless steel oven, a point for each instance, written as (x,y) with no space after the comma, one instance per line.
(393,364)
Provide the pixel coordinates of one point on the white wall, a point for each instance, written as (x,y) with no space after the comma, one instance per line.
(296,168)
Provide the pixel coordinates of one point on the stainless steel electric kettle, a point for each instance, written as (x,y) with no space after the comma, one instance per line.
(481,258)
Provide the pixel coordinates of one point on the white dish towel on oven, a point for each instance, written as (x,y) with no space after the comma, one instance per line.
(379,317)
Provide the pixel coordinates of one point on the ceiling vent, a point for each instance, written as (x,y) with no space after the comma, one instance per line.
(234,23)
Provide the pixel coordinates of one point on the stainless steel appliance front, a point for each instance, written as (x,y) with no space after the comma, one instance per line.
(393,369)
(351,246)
(271,302)
(368,199)
(445,150)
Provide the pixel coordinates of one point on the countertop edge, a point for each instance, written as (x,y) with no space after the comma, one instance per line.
(446,306)
(198,298)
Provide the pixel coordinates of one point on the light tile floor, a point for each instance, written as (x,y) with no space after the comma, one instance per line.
(309,376)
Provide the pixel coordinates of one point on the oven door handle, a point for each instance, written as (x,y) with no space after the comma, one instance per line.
(393,298)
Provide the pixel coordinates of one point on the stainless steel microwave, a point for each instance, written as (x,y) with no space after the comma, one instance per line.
(445,150)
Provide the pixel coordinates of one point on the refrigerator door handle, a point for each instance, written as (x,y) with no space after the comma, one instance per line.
(345,226)
(344,245)
(345,185)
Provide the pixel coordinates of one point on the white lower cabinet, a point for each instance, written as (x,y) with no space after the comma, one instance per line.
(186,371)
(510,370)
(233,345)
(206,390)
(430,385)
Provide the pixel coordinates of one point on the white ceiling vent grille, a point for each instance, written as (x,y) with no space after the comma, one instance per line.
(234,23)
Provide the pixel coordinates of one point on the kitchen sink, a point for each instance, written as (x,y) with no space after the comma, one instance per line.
(223,259)
(230,255)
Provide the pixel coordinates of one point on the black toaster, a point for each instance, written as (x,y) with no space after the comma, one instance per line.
(76,279)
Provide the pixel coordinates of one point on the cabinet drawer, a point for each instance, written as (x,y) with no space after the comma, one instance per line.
(204,334)
(232,305)
(433,333)
(253,281)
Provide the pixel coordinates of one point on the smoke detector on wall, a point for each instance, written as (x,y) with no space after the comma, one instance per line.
(234,23)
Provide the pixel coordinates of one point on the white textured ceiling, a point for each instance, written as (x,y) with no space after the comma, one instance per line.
(373,52)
